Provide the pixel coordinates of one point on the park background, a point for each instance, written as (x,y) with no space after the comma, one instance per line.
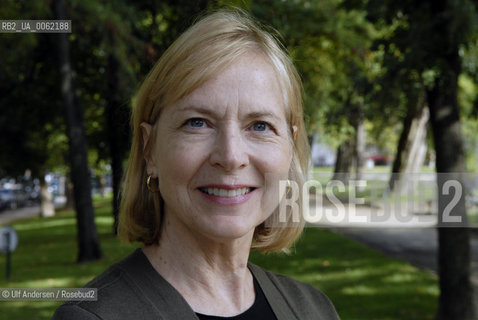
(385,82)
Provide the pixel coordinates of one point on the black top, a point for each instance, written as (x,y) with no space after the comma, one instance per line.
(260,310)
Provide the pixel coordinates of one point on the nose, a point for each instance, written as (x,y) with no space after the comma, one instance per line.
(230,150)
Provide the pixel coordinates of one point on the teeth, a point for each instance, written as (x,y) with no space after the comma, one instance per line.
(226,193)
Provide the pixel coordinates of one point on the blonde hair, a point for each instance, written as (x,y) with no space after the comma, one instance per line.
(203,51)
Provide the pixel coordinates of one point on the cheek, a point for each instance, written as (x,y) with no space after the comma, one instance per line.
(275,164)
(176,167)
(274,158)
(178,162)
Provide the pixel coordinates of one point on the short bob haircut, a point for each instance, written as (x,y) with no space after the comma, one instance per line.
(203,51)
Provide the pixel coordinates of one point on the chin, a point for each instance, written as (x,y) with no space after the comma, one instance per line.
(231,231)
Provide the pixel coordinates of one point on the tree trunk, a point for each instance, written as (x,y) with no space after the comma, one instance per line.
(70,198)
(411,148)
(344,160)
(359,143)
(418,147)
(351,152)
(102,184)
(114,131)
(47,208)
(88,245)
(456,296)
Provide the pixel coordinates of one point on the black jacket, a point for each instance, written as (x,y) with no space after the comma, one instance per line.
(132,289)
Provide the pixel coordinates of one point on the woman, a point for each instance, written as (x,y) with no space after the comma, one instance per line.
(217,123)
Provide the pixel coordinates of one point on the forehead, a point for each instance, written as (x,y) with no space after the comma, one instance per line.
(250,82)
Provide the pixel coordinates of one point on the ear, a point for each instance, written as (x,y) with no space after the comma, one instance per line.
(294,132)
(148,155)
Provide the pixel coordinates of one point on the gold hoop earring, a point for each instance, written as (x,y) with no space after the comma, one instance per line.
(152,188)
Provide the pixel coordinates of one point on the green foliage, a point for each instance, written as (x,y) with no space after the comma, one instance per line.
(383,135)
(30,120)
(331,47)
(468,99)
(131,35)
(368,54)
(413,57)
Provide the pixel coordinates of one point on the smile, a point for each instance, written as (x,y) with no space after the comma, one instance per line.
(218,192)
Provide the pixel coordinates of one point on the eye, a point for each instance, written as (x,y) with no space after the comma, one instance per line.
(196,123)
(260,126)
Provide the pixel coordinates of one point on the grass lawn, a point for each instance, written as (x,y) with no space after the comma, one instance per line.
(362,283)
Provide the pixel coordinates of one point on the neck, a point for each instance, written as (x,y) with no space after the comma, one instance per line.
(205,270)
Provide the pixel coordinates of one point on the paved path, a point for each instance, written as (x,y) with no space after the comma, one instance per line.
(8,216)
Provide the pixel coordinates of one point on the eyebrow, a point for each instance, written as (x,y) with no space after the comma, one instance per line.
(199,109)
(262,114)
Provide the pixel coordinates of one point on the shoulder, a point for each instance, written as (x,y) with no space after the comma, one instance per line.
(119,295)
(306,301)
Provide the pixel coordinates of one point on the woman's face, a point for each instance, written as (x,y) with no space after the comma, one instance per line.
(215,147)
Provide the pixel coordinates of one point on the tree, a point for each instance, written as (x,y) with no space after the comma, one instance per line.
(456,297)
(30,124)
(88,245)
(429,38)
